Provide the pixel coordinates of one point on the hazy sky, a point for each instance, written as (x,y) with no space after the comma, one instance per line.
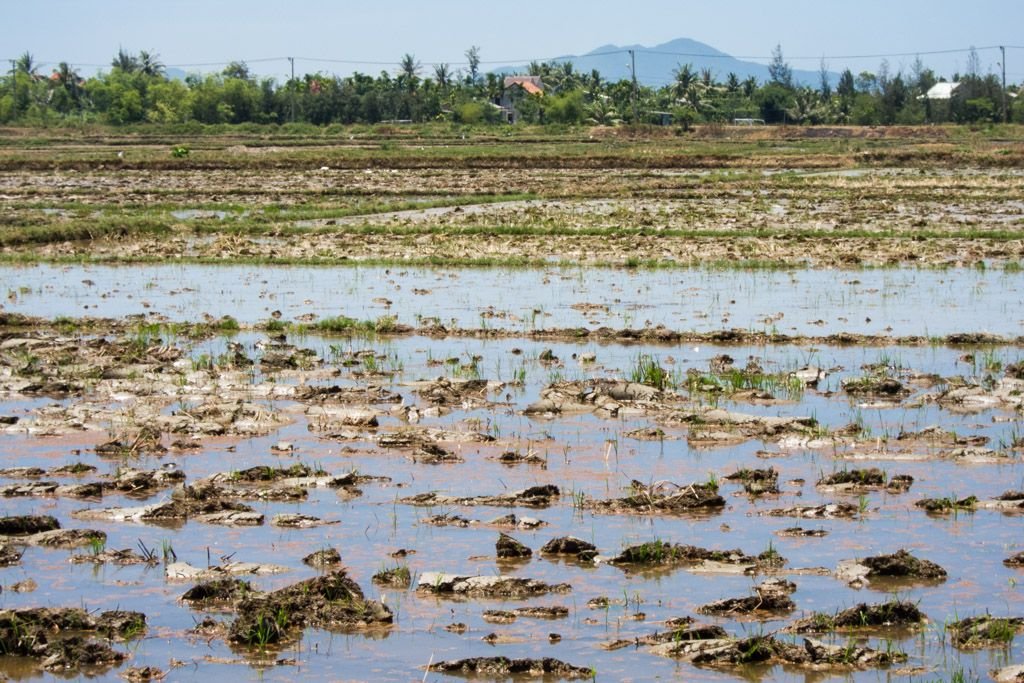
(201,35)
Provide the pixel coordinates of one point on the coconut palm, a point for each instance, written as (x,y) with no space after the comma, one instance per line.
(601,112)
(125,61)
(27,64)
(685,79)
(443,75)
(409,71)
(150,64)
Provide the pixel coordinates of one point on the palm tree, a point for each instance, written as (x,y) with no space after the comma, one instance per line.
(732,82)
(150,64)
(807,107)
(601,112)
(494,86)
(707,77)
(66,77)
(409,70)
(26,64)
(686,78)
(125,61)
(443,75)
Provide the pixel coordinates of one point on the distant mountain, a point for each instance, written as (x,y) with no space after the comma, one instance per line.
(654,65)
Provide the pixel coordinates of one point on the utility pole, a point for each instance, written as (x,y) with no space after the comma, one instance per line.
(632,69)
(1006,113)
(291,86)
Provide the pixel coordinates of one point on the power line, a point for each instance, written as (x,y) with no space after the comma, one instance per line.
(525,60)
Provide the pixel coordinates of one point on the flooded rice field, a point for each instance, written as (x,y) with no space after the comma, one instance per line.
(892,302)
(446,490)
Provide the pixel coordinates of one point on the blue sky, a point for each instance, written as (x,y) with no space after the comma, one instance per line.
(201,35)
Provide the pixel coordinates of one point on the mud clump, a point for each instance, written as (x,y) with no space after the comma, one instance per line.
(881,387)
(332,601)
(825,511)
(661,554)
(682,630)
(53,635)
(66,538)
(448,392)
(396,577)
(503,667)
(732,652)
(1015,560)
(899,566)
(939,506)
(9,556)
(663,497)
(756,482)
(583,551)
(536,496)
(141,483)
(771,598)
(228,591)
(604,397)
(266,473)
(26,525)
(863,480)
(509,548)
(75,652)
(800,532)
(145,441)
(903,564)
(984,631)
(862,616)
(328,557)
(122,558)
(121,624)
(486,586)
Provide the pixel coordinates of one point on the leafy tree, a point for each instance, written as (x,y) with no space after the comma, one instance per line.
(779,69)
(239,70)
(867,83)
(893,99)
(169,102)
(566,108)
(473,58)
(732,83)
(846,89)
(825,81)
(773,100)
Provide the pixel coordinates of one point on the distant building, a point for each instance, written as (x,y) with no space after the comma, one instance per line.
(516,88)
(941,91)
(938,100)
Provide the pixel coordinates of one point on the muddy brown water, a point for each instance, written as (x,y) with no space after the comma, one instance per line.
(587,456)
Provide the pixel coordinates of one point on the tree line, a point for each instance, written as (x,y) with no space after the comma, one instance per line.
(136,89)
